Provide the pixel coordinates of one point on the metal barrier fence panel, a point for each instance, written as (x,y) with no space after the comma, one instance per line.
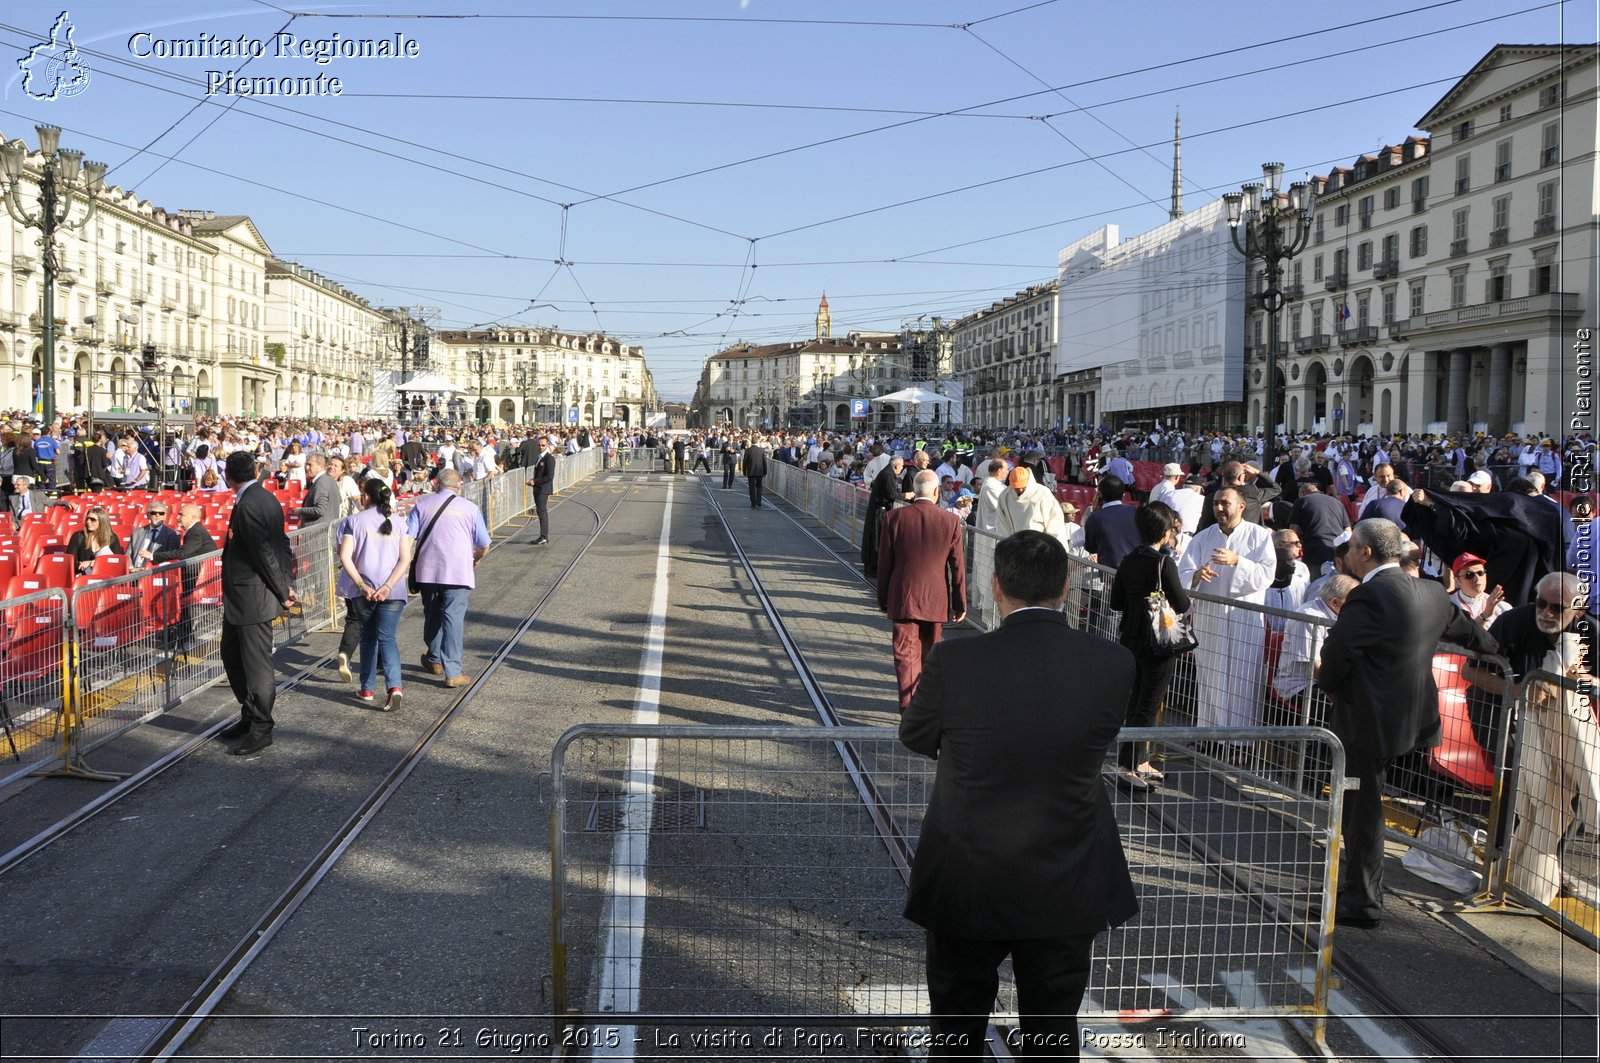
(35,663)
(1552,861)
(738,874)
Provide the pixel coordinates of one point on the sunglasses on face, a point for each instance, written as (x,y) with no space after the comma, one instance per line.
(1476,573)
(1545,606)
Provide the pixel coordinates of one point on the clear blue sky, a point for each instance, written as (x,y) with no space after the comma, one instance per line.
(893,154)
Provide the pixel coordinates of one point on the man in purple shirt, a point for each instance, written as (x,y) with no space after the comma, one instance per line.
(451,537)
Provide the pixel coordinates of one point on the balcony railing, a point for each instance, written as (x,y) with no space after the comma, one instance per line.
(1550,304)
(1335,281)
(1498,237)
(1319,341)
(1359,334)
(1544,225)
(1399,329)
(24,263)
(1458,248)
(1419,205)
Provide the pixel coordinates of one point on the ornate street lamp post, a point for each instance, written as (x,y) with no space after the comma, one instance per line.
(480,364)
(523,376)
(1275,228)
(63,179)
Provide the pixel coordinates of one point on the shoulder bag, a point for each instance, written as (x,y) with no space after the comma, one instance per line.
(416,553)
(1171,635)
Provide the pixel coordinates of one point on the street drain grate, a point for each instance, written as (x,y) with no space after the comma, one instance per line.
(680,808)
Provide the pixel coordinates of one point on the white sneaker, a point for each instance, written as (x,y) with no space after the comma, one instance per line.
(344,668)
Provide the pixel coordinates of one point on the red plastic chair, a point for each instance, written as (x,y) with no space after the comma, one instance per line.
(107,613)
(109,566)
(57,570)
(160,599)
(1458,757)
(208,584)
(8,568)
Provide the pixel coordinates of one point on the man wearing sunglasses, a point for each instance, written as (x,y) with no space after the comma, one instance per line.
(149,539)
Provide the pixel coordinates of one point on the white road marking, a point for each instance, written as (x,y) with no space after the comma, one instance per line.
(624,921)
(1379,1043)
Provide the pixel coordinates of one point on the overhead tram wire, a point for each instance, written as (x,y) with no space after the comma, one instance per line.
(486,164)
(1024,96)
(201,102)
(285,192)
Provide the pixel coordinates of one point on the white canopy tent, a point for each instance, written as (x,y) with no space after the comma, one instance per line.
(430,383)
(927,401)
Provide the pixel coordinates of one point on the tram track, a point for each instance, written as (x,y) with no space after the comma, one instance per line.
(1437,1041)
(121,790)
(185,1021)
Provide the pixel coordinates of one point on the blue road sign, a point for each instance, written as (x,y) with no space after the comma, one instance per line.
(858,407)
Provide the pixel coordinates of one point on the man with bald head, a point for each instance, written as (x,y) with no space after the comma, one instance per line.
(922,578)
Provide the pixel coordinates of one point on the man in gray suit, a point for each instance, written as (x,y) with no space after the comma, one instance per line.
(322,501)
(157,535)
(25,499)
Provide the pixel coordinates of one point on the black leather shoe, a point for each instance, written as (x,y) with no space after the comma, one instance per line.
(252,744)
(540,541)
(1355,922)
(237,729)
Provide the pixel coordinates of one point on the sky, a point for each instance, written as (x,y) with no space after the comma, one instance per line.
(684,174)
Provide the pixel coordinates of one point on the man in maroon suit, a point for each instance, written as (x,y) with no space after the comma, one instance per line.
(922,578)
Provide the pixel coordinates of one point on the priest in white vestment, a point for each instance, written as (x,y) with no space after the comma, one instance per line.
(1232,558)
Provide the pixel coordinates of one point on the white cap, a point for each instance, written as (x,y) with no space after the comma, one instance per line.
(1481,478)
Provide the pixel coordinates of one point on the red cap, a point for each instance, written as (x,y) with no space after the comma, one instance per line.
(1463,561)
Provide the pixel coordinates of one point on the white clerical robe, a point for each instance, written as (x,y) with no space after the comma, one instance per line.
(1230,660)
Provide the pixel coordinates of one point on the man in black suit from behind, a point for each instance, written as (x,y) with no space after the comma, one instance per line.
(257,587)
(1377,665)
(1019,853)
(755,470)
(729,448)
(544,481)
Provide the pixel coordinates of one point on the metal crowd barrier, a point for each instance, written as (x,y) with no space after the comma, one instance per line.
(80,668)
(755,875)
(1453,803)
(1552,862)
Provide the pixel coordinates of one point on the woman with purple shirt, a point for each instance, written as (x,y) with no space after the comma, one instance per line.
(374,556)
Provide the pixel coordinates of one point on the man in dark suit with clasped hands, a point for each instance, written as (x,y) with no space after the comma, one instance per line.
(1377,664)
(1019,852)
(256,589)
(922,578)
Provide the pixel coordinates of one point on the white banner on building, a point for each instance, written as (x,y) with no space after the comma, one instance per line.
(1161,315)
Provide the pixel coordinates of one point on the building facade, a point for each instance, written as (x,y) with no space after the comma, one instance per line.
(802,384)
(531,375)
(1005,358)
(326,341)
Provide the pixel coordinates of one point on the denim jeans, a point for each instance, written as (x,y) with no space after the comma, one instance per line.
(355,618)
(444,617)
(378,644)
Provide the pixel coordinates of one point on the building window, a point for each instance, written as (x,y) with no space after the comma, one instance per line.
(1388,306)
(1341,215)
(1316,267)
(1294,324)
(1419,192)
(1463,174)
(1364,255)
(1316,233)
(1295,274)
(1502,161)
(1341,262)
(1502,212)
(1505,113)
(1464,130)
(1458,287)
(1366,207)
(1391,198)
(1316,318)
(1415,292)
(1391,249)
(1419,241)
(1550,145)
(1551,95)
(1497,287)
(1543,278)
(1363,310)
(1547,199)
(1458,230)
